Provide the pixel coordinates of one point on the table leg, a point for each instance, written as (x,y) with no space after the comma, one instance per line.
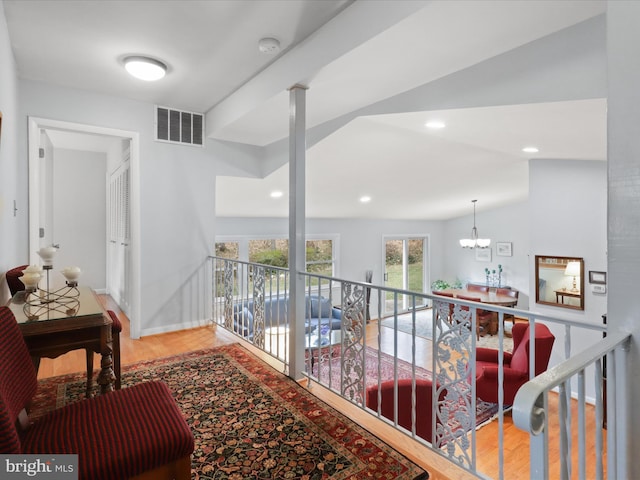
(107,377)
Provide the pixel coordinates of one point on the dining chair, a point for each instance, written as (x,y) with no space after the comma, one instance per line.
(472,287)
(483,317)
(13,279)
(513,294)
(449,295)
(134,433)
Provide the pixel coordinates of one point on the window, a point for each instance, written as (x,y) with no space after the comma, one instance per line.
(321,253)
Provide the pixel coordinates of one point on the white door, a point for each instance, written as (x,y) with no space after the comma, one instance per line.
(74,211)
(120,234)
(69,136)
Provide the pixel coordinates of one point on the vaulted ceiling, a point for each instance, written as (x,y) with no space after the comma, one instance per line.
(376,71)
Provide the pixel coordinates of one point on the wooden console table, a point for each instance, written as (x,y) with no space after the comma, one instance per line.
(565,293)
(54,333)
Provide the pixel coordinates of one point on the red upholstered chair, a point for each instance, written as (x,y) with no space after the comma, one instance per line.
(424,407)
(137,432)
(13,280)
(116,328)
(516,364)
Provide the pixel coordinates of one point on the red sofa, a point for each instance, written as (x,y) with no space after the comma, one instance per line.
(424,407)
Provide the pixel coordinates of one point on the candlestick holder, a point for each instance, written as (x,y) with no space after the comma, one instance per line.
(44,301)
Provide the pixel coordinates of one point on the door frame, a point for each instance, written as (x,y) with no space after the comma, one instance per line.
(35,124)
(426,260)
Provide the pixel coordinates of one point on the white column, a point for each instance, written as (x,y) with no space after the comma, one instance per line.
(297,151)
(623,140)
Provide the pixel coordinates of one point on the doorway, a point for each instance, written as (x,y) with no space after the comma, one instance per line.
(71,169)
(405,269)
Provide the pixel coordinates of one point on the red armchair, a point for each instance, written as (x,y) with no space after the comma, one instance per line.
(424,407)
(136,432)
(516,364)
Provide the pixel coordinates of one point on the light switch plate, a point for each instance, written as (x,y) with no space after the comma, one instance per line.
(599,288)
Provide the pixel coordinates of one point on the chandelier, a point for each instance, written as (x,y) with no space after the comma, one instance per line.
(474,241)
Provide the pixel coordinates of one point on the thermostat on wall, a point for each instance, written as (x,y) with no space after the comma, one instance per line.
(599,288)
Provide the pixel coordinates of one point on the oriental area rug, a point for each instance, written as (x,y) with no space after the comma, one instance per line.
(385,367)
(251,421)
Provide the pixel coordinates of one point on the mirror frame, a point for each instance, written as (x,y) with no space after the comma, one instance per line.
(554,261)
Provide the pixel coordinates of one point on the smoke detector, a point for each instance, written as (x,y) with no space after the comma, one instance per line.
(269,45)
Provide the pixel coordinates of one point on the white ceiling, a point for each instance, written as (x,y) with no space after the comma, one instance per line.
(350,55)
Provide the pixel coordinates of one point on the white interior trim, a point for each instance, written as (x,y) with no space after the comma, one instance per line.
(35,124)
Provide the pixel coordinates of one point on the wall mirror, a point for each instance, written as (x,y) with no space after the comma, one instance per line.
(560,281)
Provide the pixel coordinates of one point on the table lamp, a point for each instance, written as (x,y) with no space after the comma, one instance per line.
(573,270)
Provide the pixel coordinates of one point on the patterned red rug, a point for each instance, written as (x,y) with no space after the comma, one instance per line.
(251,421)
(382,366)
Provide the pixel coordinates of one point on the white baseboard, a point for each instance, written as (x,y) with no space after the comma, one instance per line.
(174,327)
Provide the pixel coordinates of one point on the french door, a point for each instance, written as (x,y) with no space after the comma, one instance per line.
(405,269)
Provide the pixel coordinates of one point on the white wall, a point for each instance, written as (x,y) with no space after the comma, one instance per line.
(568,217)
(361,247)
(79,218)
(177,200)
(12,251)
(623,44)
(505,224)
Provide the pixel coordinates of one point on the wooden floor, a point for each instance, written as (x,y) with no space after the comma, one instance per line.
(516,451)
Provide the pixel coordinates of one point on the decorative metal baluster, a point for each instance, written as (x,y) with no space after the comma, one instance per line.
(453,344)
(353,331)
(229,268)
(258,306)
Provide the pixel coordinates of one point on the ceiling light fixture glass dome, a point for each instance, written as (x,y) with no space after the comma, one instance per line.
(145,68)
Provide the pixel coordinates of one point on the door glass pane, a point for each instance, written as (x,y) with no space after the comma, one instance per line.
(394,271)
(415,271)
(405,269)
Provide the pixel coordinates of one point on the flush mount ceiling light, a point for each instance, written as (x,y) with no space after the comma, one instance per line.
(474,241)
(269,45)
(145,68)
(365,199)
(435,124)
(276,194)
(530,150)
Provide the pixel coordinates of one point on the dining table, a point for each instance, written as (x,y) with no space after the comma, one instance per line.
(490,297)
(50,332)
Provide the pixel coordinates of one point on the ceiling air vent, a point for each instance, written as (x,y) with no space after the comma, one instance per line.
(177,126)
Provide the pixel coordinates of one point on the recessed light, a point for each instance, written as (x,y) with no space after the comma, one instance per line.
(276,194)
(145,68)
(530,150)
(435,124)
(365,199)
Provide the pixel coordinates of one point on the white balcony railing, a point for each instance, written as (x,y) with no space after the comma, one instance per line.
(349,351)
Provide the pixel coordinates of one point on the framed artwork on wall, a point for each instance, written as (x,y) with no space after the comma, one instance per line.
(483,254)
(503,249)
(598,277)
